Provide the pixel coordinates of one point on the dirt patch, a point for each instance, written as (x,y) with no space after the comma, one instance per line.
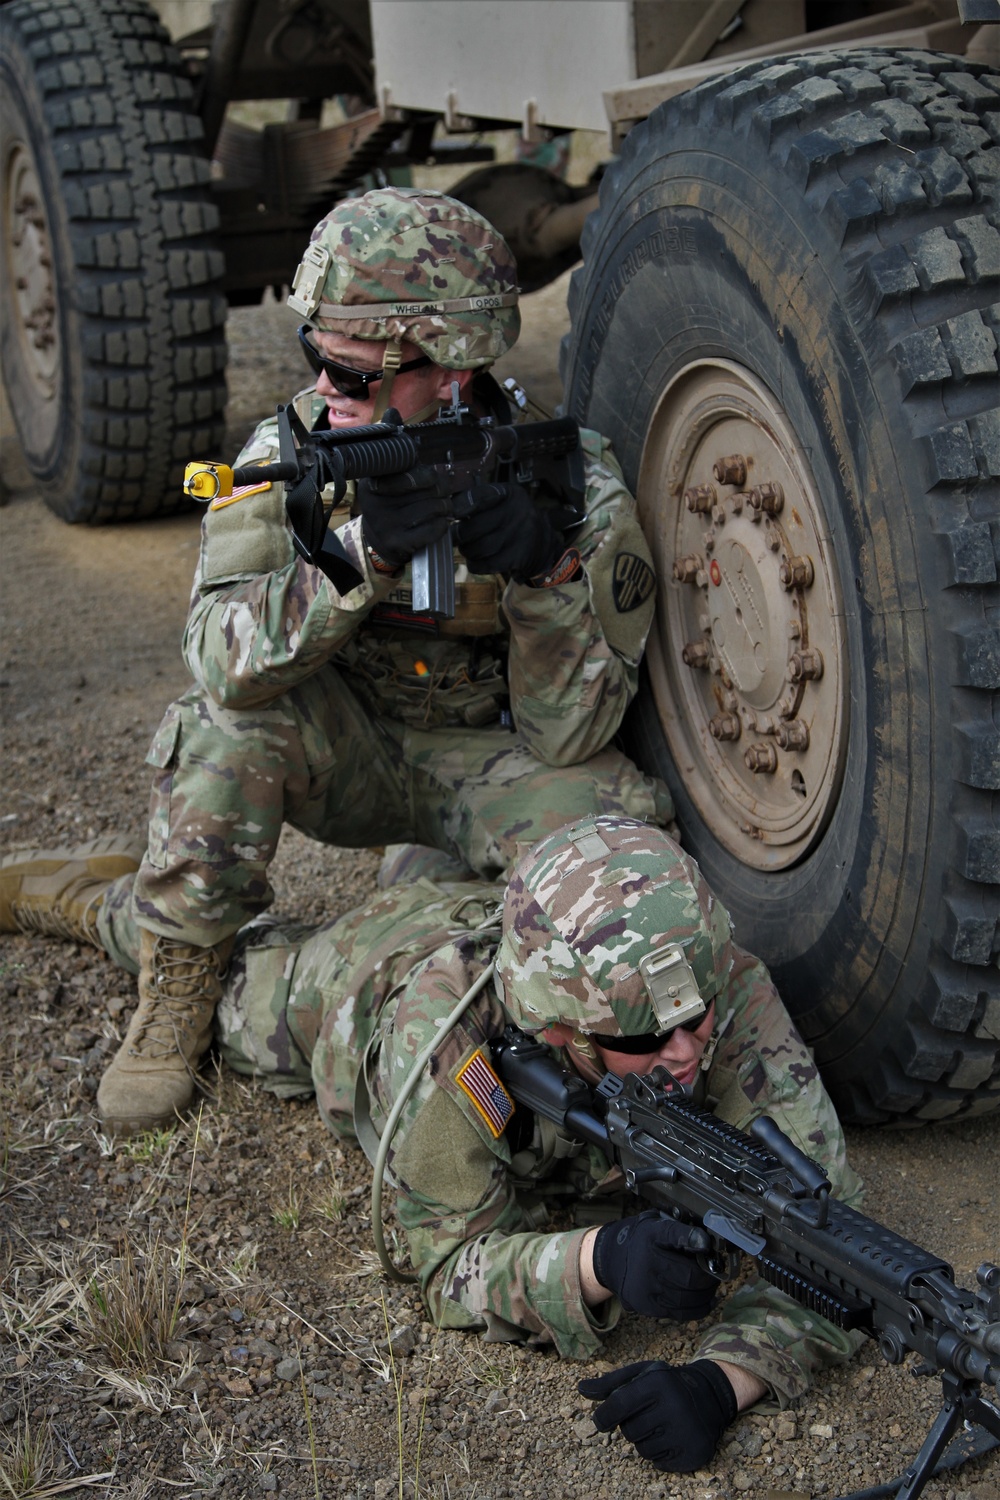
(268,1354)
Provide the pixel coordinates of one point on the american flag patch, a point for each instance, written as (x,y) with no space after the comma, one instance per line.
(478,1080)
(239,494)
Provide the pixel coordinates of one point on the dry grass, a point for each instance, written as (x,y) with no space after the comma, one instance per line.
(30,1468)
(129,1305)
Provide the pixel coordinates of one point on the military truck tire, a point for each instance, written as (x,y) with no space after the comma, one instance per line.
(113,319)
(786,322)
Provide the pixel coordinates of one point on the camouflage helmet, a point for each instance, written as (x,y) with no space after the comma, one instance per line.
(595,916)
(405,263)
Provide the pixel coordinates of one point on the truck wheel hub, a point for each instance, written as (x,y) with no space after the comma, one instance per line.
(29,258)
(748,659)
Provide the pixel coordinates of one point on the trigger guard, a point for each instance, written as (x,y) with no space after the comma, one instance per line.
(724,1264)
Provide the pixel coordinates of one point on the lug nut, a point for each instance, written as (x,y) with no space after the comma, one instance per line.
(793,735)
(695,654)
(731,470)
(768,498)
(725,727)
(805,666)
(700,497)
(686,569)
(761,758)
(796,572)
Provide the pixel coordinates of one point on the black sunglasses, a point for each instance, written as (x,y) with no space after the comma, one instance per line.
(648,1042)
(351,383)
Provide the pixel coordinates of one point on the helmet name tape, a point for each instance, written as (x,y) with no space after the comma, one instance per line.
(307,287)
(351,311)
(671,986)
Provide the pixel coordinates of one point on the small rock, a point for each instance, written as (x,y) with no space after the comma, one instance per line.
(288,1369)
(267,1482)
(743,1479)
(824,1430)
(786,1428)
(263,1348)
(192,1382)
(403,1340)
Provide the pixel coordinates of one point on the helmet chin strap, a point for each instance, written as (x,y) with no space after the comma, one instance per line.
(391,360)
(584,1057)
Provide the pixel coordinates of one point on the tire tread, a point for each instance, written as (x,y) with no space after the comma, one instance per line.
(895,155)
(135,182)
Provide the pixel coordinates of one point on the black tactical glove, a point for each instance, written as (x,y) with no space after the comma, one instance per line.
(648,1262)
(401,514)
(505,533)
(673,1414)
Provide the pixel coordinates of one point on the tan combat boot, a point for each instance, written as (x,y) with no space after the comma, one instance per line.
(152,1077)
(58,892)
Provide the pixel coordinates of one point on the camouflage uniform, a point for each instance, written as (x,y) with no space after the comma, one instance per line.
(342,714)
(306,1009)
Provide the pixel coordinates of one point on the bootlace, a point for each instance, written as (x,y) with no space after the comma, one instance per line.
(52,921)
(171,1014)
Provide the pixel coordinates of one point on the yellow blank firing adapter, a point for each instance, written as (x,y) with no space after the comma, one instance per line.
(208,481)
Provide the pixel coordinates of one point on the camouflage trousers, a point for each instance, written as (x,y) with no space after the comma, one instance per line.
(226,780)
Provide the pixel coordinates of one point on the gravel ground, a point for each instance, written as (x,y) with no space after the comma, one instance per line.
(201,1314)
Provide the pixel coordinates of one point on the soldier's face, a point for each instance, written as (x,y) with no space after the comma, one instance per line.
(412,391)
(681,1051)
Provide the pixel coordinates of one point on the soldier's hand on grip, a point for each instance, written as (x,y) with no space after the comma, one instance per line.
(674,1415)
(505,533)
(401,514)
(648,1261)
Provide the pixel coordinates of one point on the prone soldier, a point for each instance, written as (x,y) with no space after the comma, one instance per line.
(347,714)
(343,1010)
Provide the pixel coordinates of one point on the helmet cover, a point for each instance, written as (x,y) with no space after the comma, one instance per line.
(415,265)
(584,907)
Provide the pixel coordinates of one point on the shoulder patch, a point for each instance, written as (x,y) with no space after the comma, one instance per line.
(244,490)
(478,1081)
(632,582)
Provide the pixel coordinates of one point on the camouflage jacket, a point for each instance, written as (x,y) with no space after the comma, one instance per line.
(476,1188)
(565,658)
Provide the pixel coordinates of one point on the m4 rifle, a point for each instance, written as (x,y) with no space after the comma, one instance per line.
(453,453)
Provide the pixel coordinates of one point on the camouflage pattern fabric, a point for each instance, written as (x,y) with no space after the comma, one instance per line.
(572,940)
(302,1011)
(400,246)
(309,708)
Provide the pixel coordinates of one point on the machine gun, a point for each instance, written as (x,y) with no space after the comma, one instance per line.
(758,1194)
(456,450)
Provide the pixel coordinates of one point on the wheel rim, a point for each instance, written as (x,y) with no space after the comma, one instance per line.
(748,658)
(32,280)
